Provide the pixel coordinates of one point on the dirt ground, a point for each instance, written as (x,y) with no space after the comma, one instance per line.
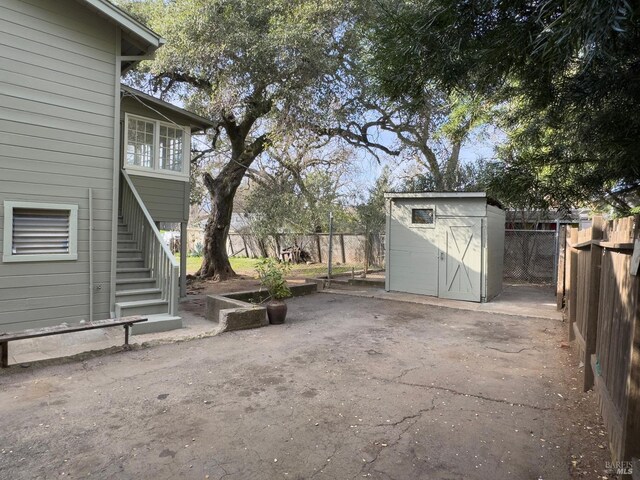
(348,388)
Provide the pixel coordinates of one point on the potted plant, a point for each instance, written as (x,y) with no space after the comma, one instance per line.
(271,274)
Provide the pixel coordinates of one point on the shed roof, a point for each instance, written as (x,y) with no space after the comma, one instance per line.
(435,195)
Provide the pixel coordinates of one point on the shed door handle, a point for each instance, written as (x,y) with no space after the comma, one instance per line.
(441,255)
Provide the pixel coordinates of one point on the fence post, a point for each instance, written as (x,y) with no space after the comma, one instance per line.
(572,268)
(344,254)
(562,253)
(593,297)
(330,261)
(319,248)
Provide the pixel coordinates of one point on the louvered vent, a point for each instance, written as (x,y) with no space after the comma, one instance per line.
(40,231)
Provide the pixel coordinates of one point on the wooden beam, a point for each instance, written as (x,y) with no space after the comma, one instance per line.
(593,299)
(572,257)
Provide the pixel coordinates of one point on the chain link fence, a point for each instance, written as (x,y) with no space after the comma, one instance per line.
(529,256)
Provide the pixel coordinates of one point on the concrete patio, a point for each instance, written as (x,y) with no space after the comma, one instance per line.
(349,388)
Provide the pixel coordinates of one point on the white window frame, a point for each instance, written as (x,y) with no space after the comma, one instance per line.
(156,171)
(422,207)
(7,250)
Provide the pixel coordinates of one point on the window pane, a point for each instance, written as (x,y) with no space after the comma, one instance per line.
(140,143)
(423,216)
(171,148)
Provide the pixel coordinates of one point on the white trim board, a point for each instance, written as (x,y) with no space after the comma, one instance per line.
(436,195)
(7,252)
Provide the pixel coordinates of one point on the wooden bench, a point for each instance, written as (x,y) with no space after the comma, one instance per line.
(5,338)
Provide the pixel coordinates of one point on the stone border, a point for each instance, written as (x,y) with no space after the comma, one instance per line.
(233,311)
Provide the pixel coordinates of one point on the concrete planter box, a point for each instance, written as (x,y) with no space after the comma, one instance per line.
(240,310)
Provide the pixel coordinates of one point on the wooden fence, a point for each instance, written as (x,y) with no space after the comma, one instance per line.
(346,247)
(601,295)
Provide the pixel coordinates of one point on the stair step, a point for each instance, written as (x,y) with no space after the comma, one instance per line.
(125,284)
(133,262)
(141,307)
(129,295)
(129,253)
(125,236)
(157,323)
(122,273)
(122,244)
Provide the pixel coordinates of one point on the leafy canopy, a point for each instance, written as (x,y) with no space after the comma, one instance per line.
(567,72)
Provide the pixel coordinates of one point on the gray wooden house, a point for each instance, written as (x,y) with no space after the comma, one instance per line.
(444,244)
(89,168)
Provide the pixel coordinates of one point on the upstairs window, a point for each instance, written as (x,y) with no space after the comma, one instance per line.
(140,143)
(156,148)
(171,151)
(39,232)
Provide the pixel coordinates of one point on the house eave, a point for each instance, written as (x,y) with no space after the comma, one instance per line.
(198,123)
(152,40)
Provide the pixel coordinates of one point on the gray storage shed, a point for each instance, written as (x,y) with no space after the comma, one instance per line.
(448,245)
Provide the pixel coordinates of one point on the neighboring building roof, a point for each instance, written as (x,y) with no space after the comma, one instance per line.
(435,195)
(127,22)
(197,122)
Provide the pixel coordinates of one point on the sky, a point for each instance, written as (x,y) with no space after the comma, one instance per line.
(368,168)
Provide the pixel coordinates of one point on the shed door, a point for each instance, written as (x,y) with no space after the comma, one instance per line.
(460,258)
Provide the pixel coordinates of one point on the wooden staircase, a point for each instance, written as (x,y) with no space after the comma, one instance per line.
(146,272)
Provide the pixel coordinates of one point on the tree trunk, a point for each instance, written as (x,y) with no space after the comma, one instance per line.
(222,189)
(215,262)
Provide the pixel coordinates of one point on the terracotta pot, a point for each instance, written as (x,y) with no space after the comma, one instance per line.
(276,311)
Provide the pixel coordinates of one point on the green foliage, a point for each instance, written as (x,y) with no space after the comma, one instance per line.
(272,277)
(229,53)
(372,214)
(567,73)
(280,207)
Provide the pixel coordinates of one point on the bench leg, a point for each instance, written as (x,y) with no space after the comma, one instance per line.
(126,333)
(4,354)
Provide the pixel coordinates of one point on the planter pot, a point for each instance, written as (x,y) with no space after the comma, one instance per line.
(276,311)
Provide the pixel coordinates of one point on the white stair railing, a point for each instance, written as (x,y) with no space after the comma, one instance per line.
(156,254)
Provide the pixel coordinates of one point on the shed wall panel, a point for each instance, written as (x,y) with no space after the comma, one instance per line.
(412,252)
(495,251)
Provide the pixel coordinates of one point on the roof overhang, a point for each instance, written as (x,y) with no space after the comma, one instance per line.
(197,122)
(435,195)
(148,37)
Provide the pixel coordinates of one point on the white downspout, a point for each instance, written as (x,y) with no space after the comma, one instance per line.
(91,284)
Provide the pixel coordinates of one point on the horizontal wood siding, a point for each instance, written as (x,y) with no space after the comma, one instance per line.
(167,200)
(57,74)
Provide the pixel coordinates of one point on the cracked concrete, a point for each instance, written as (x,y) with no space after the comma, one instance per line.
(348,388)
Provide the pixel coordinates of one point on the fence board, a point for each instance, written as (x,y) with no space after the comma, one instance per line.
(617,357)
(603,312)
(572,280)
